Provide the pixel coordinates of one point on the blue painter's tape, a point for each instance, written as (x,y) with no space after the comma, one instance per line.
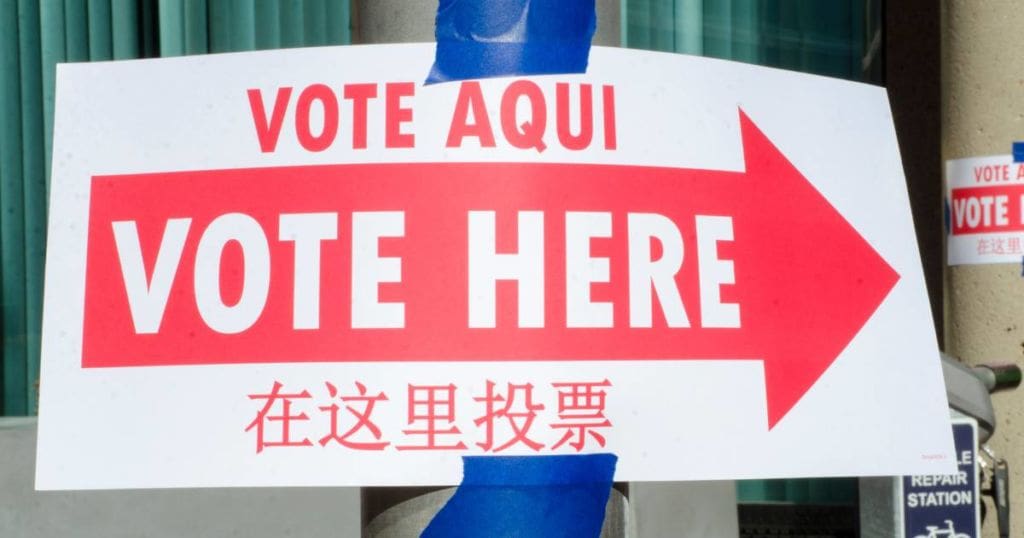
(536,496)
(1018,152)
(495,38)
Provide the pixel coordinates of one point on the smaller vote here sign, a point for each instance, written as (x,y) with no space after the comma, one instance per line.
(985,210)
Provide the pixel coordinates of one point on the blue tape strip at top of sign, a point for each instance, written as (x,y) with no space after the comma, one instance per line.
(495,38)
(539,496)
(1018,152)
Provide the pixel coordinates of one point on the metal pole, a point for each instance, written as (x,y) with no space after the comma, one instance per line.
(412,21)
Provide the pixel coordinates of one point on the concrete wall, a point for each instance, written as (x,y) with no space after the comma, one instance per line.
(684,509)
(982,114)
(658,509)
(197,513)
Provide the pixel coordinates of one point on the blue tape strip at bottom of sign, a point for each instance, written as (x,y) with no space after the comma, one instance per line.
(1018,152)
(539,496)
(477,39)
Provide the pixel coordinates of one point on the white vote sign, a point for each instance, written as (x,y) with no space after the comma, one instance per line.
(306,268)
(985,210)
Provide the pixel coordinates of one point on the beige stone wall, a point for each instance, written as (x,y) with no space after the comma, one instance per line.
(982,114)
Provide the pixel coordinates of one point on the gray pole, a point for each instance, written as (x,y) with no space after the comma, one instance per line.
(412,21)
(397,512)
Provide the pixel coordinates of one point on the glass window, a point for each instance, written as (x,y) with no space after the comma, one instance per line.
(838,38)
(34,37)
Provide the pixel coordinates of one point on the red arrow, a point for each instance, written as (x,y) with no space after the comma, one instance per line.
(825,283)
(806,281)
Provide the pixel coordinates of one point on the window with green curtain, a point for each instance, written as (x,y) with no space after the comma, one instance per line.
(838,38)
(35,35)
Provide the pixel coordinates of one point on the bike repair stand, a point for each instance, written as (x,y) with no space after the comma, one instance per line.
(938,506)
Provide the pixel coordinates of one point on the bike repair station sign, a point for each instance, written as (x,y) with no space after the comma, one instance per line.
(946,506)
(309,268)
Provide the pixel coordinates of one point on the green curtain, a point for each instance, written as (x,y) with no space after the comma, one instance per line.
(813,36)
(35,35)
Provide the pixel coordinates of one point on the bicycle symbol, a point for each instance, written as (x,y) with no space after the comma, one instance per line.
(949,532)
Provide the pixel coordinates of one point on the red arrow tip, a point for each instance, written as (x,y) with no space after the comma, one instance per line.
(809,283)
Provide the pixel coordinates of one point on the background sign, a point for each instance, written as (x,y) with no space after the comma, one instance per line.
(305,267)
(947,505)
(985,201)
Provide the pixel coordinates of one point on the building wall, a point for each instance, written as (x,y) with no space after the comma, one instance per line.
(197,513)
(982,114)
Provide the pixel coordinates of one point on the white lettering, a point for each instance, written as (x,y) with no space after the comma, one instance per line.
(959,208)
(369,270)
(486,268)
(148,300)
(645,273)
(256,277)
(940,498)
(307,231)
(581,270)
(1001,210)
(713,272)
(973,213)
